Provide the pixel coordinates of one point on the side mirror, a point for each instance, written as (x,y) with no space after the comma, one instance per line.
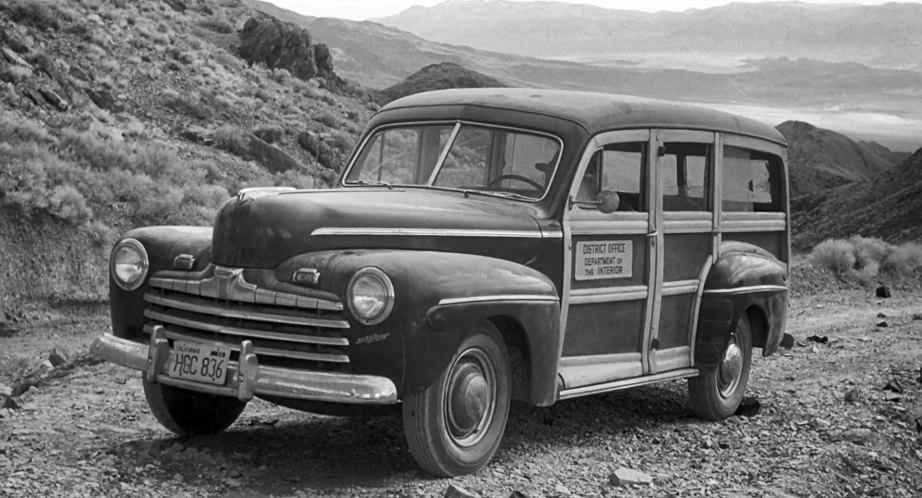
(608,201)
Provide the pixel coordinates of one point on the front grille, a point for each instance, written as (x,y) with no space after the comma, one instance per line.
(286,330)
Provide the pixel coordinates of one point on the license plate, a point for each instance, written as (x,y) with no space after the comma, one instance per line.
(199,362)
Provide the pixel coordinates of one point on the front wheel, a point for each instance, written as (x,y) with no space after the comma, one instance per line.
(190,413)
(717,391)
(454,427)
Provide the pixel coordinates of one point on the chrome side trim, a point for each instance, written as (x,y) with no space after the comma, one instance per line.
(258,334)
(748,289)
(246,315)
(752,222)
(638,226)
(229,284)
(680,287)
(427,232)
(626,383)
(607,294)
(510,297)
(281,353)
(552,234)
(247,379)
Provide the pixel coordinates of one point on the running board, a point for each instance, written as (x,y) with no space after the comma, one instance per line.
(626,383)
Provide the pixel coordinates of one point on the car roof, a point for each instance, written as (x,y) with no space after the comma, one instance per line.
(595,112)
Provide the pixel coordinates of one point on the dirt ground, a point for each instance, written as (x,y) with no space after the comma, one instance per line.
(835,418)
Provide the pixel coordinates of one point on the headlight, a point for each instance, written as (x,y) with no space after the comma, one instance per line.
(370,295)
(128,264)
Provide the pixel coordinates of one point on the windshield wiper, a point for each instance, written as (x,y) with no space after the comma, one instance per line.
(501,193)
(370,183)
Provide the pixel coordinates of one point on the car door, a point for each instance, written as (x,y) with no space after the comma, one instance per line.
(608,282)
(687,241)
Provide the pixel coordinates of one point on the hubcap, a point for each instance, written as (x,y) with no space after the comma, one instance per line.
(471,397)
(731,368)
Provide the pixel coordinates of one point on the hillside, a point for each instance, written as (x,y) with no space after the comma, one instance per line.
(117,114)
(438,77)
(887,205)
(821,159)
(834,33)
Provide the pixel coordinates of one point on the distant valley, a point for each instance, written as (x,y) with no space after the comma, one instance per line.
(869,90)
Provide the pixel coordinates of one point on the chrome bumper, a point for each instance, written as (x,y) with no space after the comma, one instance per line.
(246,378)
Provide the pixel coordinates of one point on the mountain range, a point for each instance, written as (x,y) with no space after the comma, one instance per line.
(871,93)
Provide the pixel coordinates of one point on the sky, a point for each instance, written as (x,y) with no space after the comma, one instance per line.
(359,10)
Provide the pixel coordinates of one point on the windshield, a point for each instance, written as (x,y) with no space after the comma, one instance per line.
(461,156)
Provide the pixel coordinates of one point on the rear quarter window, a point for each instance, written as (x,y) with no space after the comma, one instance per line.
(751,180)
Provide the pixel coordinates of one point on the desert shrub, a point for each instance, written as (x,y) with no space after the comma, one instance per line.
(280,75)
(233,140)
(328,118)
(269,133)
(38,14)
(190,105)
(904,258)
(835,254)
(217,25)
(68,204)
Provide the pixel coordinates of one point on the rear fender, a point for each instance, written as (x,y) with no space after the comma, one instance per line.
(745,279)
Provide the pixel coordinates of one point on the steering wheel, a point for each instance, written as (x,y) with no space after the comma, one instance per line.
(520,178)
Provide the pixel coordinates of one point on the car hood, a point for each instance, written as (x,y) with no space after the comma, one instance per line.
(263,232)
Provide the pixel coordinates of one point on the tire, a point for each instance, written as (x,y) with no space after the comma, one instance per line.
(716,392)
(455,426)
(189,413)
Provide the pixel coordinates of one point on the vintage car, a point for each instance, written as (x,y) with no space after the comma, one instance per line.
(481,246)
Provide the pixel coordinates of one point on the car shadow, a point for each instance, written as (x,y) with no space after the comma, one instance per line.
(305,452)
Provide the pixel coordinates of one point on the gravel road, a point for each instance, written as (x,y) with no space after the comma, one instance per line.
(827,424)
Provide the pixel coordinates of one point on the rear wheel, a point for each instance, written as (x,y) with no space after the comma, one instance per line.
(455,426)
(189,413)
(716,392)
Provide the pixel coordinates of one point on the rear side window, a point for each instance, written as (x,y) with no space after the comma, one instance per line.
(751,180)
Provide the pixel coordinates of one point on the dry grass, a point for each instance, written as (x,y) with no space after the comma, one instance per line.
(865,258)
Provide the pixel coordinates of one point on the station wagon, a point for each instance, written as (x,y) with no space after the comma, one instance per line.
(481,246)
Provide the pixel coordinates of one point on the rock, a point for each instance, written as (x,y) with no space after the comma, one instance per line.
(271,157)
(7,329)
(749,407)
(519,494)
(917,316)
(59,355)
(561,489)
(787,341)
(891,396)
(894,386)
(455,491)
(177,5)
(629,477)
(322,152)
(820,339)
(881,315)
(851,395)
(103,99)
(882,323)
(278,45)
(324,59)
(198,134)
(13,58)
(883,291)
(858,436)
(54,99)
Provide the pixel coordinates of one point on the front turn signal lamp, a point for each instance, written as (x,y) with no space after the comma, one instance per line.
(128,264)
(370,295)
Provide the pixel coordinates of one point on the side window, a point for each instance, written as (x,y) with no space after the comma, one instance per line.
(684,170)
(618,168)
(751,180)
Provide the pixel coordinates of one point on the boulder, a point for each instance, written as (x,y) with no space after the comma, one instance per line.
(628,477)
(279,45)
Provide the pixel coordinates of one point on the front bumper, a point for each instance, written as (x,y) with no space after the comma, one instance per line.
(246,378)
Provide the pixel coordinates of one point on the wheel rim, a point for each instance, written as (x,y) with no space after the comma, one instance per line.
(471,398)
(731,368)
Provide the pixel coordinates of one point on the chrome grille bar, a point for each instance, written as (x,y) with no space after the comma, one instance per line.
(249,333)
(234,346)
(206,308)
(230,285)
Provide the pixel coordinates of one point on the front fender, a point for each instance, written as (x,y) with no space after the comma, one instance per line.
(745,277)
(163,244)
(438,297)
